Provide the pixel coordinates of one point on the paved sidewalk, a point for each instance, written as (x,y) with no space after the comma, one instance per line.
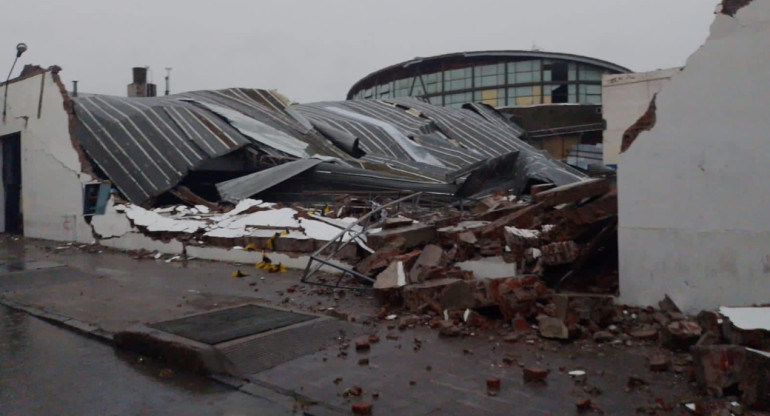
(418,373)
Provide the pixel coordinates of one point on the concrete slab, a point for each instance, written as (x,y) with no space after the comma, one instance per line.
(228,324)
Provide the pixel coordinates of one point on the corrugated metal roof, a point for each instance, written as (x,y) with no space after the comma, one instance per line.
(243,187)
(146,146)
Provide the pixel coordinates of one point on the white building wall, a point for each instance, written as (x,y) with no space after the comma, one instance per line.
(52,182)
(625,97)
(694,191)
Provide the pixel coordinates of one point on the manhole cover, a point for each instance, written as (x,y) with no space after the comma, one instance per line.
(229,324)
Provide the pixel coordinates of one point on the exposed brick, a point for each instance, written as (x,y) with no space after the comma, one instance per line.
(573,192)
(583,405)
(535,374)
(362,408)
(718,366)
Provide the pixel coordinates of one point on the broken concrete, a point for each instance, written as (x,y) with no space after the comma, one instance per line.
(489,268)
(431,256)
(414,235)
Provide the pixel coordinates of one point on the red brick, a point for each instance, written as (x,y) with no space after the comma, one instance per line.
(583,405)
(535,374)
(362,408)
(493,384)
(645,334)
(362,345)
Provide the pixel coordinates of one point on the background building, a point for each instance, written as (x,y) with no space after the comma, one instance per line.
(497,78)
(626,97)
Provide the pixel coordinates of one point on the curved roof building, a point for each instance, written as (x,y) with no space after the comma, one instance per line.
(497,78)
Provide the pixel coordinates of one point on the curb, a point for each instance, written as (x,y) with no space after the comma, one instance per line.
(178,351)
(83,328)
(181,353)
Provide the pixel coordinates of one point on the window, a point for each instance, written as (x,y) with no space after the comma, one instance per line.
(522,72)
(383,91)
(437,100)
(95,197)
(590,94)
(524,95)
(493,97)
(433,82)
(572,72)
(489,75)
(403,87)
(417,89)
(590,73)
(458,79)
(457,100)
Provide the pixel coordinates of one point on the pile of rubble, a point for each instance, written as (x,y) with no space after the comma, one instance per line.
(504,252)
(496,268)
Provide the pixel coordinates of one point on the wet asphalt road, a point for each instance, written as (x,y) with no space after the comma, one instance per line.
(47,370)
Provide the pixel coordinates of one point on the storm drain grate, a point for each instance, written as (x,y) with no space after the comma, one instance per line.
(229,324)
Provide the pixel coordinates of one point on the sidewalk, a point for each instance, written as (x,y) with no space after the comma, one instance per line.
(403,372)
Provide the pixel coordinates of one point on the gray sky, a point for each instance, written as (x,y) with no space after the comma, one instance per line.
(315,50)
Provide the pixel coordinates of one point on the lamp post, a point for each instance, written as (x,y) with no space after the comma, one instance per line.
(20,48)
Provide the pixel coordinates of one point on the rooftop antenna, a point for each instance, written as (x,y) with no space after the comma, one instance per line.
(168,80)
(74,88)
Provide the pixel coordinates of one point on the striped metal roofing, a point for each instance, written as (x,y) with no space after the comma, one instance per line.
(146,146)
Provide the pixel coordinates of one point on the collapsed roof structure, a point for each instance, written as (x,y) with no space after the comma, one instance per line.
(258,141)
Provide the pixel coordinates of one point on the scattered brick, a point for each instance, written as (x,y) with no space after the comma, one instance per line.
(362,408)
(535,374)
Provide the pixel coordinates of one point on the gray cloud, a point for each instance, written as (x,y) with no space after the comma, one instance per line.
(316,49)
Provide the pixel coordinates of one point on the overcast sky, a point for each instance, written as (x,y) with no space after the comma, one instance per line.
(315,50)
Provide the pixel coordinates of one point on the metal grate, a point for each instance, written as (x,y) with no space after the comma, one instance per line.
(229,324)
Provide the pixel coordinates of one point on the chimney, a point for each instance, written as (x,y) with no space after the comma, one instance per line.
(140,87)
(140,75)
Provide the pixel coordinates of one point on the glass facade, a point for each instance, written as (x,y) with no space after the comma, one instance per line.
(516,82)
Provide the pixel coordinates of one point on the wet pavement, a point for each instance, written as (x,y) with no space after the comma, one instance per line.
(46,370)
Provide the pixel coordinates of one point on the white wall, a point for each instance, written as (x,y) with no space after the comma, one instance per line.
(694,192)
(52,194)
(625,97)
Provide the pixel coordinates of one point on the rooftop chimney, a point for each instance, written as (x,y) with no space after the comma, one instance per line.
(140,74)
(140,87)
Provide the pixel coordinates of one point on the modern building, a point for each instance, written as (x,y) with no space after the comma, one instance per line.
(497,78)
(626,97)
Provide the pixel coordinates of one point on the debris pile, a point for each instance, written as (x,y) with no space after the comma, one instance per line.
(504,252)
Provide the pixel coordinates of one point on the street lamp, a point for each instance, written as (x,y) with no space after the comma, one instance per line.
(20,49)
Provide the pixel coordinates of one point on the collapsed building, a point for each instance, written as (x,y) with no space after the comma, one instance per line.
(445,212)
(89,162)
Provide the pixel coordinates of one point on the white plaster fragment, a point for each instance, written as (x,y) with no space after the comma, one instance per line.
(488,268)
(748,317)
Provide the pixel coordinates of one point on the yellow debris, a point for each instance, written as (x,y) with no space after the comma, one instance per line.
(265,263)
(239,273)
(250,247)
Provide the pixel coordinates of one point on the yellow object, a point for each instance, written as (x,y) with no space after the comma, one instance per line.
(239,273)
(327,208)
(250,247)
(265,263)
